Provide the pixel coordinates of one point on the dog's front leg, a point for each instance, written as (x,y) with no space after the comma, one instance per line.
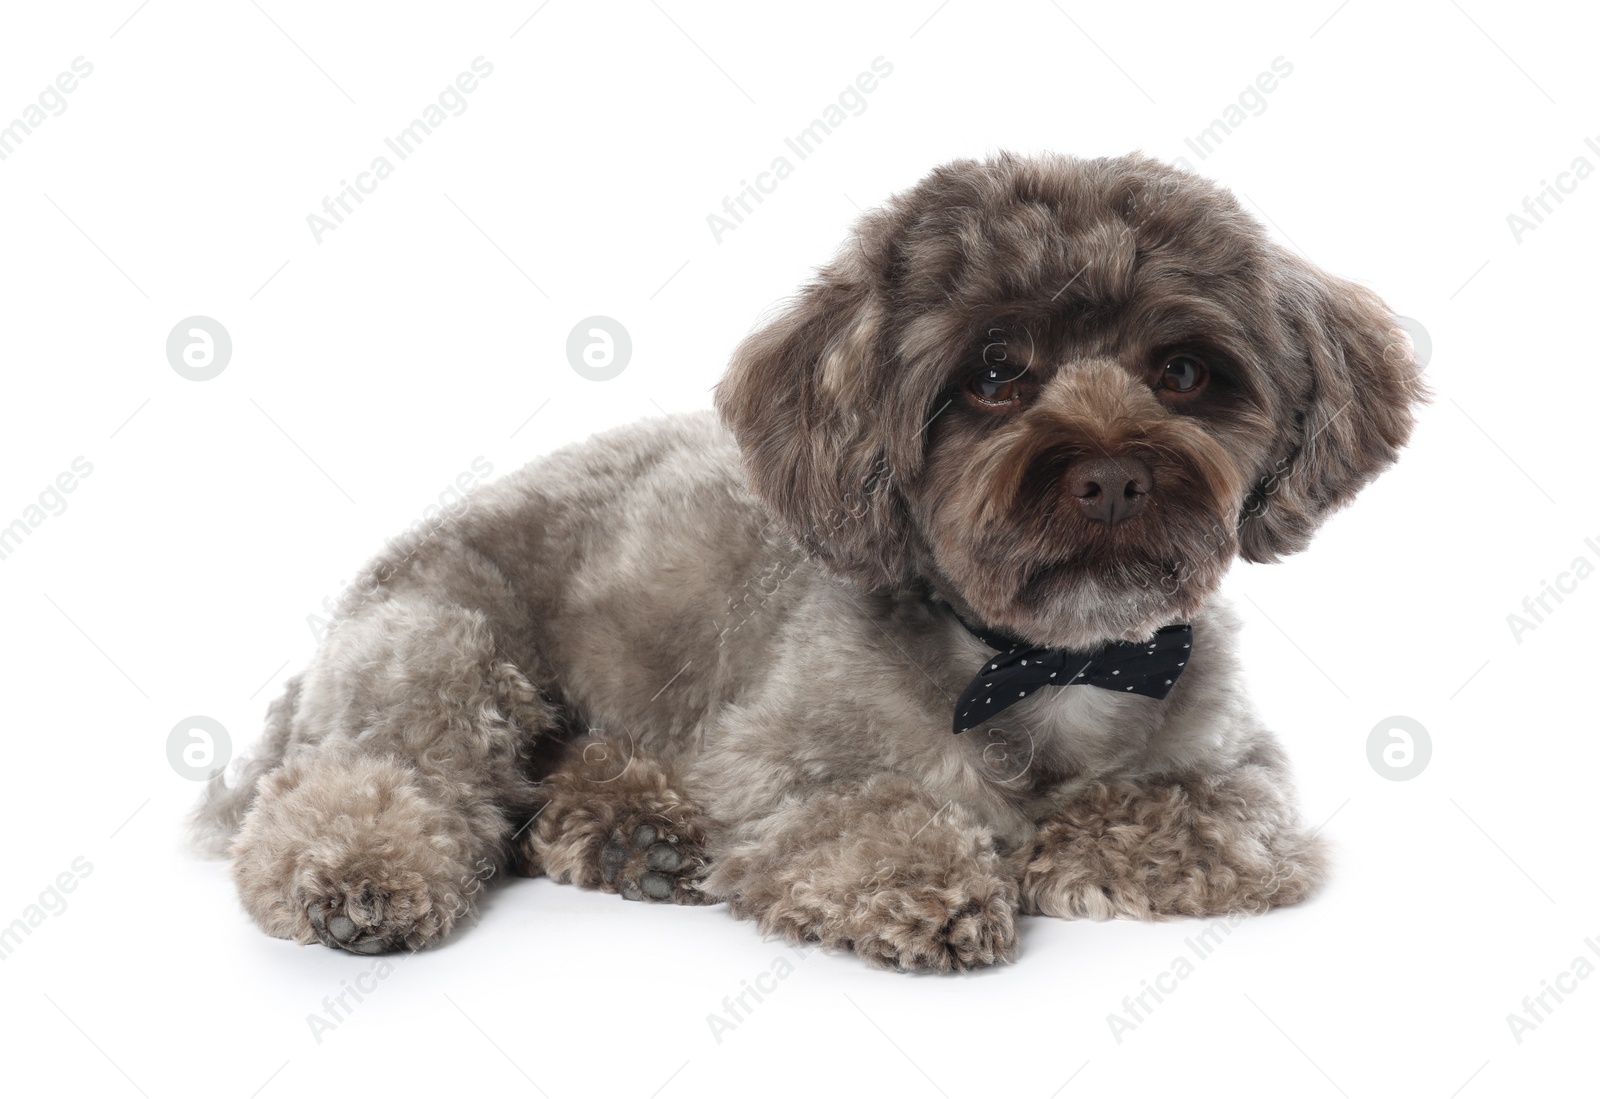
(1149,849)
(878,866)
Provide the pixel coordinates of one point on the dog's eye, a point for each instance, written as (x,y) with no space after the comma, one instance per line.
(1183,374)
(998,385)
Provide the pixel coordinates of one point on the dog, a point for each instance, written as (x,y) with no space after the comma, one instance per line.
(1007,442)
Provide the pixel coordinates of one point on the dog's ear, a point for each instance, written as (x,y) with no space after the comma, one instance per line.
(810,399)
(1351,382)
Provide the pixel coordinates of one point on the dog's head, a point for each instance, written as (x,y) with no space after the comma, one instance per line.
(1067,393)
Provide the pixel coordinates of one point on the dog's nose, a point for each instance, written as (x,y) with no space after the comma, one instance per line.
(1110,489)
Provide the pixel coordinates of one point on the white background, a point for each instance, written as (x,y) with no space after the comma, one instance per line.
(371,368)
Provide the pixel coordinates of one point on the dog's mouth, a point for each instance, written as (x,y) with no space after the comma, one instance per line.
(1126,600)
(1102,589)
(1041,582)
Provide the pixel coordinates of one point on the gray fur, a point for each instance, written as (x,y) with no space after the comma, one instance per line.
(715,658)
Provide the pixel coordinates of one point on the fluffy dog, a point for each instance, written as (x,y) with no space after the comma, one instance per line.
(1025,420)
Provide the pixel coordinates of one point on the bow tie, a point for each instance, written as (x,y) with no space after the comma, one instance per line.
(1137,667)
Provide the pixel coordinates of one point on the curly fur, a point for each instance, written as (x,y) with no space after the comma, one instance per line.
(617,823)
(1145,851)
(714,657)
(879,867)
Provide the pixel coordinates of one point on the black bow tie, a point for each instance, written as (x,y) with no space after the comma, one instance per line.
(1136,667)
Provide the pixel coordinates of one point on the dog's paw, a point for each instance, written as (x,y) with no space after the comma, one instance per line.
(349,851)
(649,863)
(1086,893)
(1196,849)
(880,869)
(936,929)
(394,911)
(911,926)
(343,933)
(626,831)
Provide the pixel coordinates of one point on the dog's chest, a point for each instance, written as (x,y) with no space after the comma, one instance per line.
(1078,730)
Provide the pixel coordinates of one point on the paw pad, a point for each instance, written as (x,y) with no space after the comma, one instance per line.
(342,933)
(648,863)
